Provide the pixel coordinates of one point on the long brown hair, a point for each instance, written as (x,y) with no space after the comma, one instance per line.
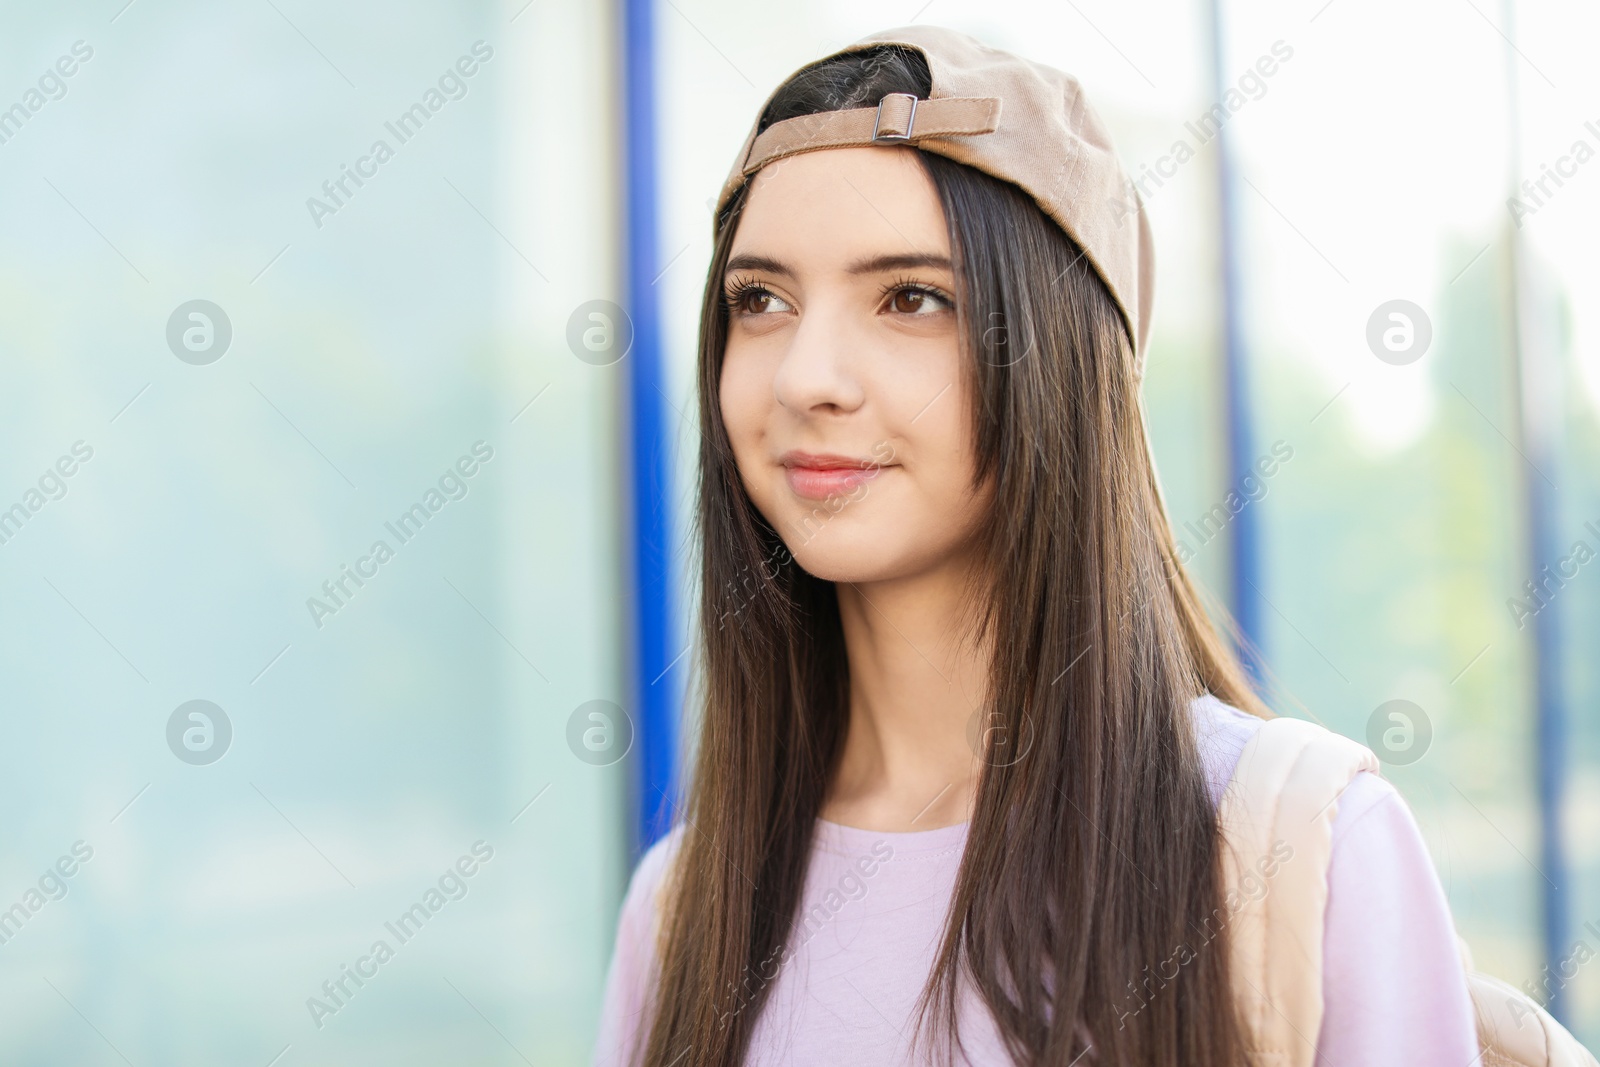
(1091,861)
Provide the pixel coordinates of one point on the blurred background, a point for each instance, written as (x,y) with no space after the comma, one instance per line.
(281,283)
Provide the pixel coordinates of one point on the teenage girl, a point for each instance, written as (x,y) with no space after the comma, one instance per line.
(963,722)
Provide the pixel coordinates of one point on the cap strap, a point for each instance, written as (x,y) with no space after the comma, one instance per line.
(899,118)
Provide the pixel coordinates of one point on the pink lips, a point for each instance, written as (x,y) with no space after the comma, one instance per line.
(819,476)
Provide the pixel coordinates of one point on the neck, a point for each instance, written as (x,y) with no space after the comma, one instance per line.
(915,687)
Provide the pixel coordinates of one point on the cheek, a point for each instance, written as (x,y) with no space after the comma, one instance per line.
(941,437)
(940,444)
(744,413)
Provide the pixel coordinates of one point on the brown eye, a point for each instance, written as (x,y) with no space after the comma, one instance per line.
(756,300)
(907,301)
(917,301)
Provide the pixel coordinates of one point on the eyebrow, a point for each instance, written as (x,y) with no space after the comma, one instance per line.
(868,265)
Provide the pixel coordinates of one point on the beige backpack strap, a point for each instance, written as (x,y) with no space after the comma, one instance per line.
(1277,821)
(1513,1030)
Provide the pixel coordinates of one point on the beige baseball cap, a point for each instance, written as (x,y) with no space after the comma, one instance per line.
(1011,118)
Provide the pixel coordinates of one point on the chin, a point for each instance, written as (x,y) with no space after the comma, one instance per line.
(859,555)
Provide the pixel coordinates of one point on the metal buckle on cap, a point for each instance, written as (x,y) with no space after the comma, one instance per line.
(911,116)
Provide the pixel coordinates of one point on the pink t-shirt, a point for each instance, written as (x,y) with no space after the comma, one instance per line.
(874,906)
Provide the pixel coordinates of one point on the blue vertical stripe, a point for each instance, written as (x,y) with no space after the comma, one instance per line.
(654,688)
(1239,448)
(1538,415)
(1551,723)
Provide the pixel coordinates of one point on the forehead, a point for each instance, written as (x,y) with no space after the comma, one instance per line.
(838,204)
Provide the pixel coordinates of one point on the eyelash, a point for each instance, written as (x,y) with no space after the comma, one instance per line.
(904,283)
(734,295)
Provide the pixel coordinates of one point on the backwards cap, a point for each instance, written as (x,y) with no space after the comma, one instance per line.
(1011,118)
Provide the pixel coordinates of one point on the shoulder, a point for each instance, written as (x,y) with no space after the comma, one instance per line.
(1393,988)
(1370,834)
(1373,819)
(1370,815)
(631,976)
(1221,733)
(1394,983)
(639,905)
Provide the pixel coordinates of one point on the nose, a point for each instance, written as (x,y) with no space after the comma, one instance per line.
(816,376)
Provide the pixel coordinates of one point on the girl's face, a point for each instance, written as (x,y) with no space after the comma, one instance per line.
(842,387)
